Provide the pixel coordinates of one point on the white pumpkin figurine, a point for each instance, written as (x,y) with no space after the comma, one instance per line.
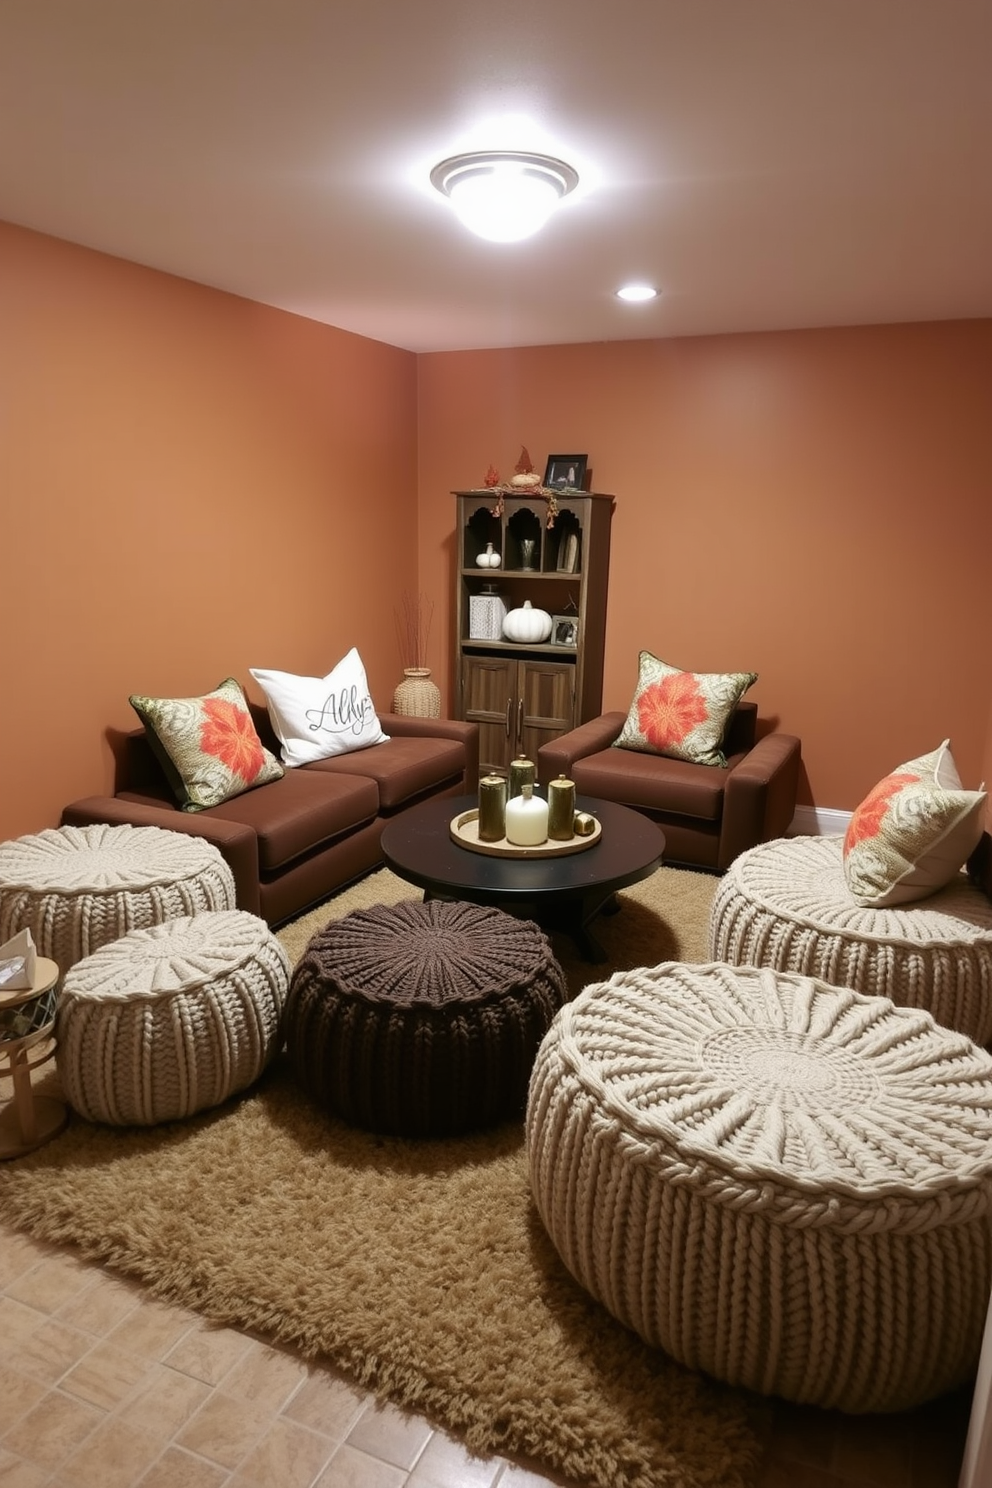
(527,626)
(488,559)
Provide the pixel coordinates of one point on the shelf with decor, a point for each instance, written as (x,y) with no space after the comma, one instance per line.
(526,688)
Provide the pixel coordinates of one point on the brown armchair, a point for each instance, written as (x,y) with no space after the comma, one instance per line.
(708,814)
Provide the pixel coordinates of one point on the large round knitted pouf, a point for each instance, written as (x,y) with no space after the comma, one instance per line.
(786,905)
(782,1183)
(171,1020)
(422,1019)
(77,888)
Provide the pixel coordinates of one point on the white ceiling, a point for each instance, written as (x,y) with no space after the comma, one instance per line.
(768,164)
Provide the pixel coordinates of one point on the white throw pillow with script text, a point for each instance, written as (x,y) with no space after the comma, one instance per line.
(316,717)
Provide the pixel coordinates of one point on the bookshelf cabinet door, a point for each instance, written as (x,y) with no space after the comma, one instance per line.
(489,689)
(545,703)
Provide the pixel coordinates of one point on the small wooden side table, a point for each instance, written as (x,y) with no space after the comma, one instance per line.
(27,1018)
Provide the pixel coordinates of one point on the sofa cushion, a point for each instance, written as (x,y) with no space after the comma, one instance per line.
(318,717)
(207,746)
(403,768)
(912,832)
(652,782)
(301,812)
(682,715)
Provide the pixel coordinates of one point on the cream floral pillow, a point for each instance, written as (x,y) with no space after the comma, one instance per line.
(682,714)
(208,746)
(913,832)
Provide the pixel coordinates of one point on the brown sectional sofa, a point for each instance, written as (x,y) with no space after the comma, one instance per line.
(293,841)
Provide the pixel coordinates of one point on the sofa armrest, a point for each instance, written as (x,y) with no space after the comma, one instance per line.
(979,865)
(236,842)
(406,727)
(759,799)
(559,755)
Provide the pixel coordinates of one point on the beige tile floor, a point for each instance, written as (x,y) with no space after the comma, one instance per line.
(103,1386)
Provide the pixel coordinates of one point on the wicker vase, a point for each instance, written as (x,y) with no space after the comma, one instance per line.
(417,696)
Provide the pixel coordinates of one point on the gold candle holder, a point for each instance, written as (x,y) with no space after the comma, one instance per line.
(522,772)
(492,808)
(561,809)
(584,825)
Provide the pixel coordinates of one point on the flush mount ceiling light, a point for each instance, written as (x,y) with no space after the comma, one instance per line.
(636,293)
(504,195)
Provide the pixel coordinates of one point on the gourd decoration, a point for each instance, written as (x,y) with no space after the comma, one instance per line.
(488,559)
(526,625)
(526,478)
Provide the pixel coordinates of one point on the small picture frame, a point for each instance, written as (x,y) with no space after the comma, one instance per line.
(565,631)
(565,472)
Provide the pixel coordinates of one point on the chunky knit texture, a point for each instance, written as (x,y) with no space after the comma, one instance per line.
(168,1021)
(422,1019)
(785,1184)
(786,905)
(78,888)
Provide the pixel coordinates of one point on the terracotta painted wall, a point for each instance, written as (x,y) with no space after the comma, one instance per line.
(190,484)
(813,506)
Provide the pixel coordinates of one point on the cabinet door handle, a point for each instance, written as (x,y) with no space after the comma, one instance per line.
(509,705)
(520,722)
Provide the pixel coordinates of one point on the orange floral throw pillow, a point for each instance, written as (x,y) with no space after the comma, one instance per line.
(913,832)
(208,746)
(682,714)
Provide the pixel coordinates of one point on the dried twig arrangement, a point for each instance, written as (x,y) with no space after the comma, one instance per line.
(413,627)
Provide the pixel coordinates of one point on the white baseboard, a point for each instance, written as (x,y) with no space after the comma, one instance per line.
(818,821)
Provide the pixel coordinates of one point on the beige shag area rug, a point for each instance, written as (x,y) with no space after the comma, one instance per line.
(419,1268)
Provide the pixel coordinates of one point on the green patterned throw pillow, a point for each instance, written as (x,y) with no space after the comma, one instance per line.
(682,714)
(912,832)
(208,746)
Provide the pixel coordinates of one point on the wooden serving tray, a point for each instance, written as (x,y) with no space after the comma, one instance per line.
(465,831)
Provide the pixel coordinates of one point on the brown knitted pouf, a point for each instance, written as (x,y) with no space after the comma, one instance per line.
(422,1019)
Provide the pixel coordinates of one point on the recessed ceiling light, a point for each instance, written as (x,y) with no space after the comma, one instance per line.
(635,293)
(504,195)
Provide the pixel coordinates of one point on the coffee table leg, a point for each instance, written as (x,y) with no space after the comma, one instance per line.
(577,919)
(573,917)
(588,946)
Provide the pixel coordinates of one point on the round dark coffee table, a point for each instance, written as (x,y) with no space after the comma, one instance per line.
(561,893)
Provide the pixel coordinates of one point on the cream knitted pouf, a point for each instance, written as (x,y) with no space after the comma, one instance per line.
(171,1020)
(782,1183)
(77,888)
(786,905)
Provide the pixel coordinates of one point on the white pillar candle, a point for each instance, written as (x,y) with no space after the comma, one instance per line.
(526,819)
